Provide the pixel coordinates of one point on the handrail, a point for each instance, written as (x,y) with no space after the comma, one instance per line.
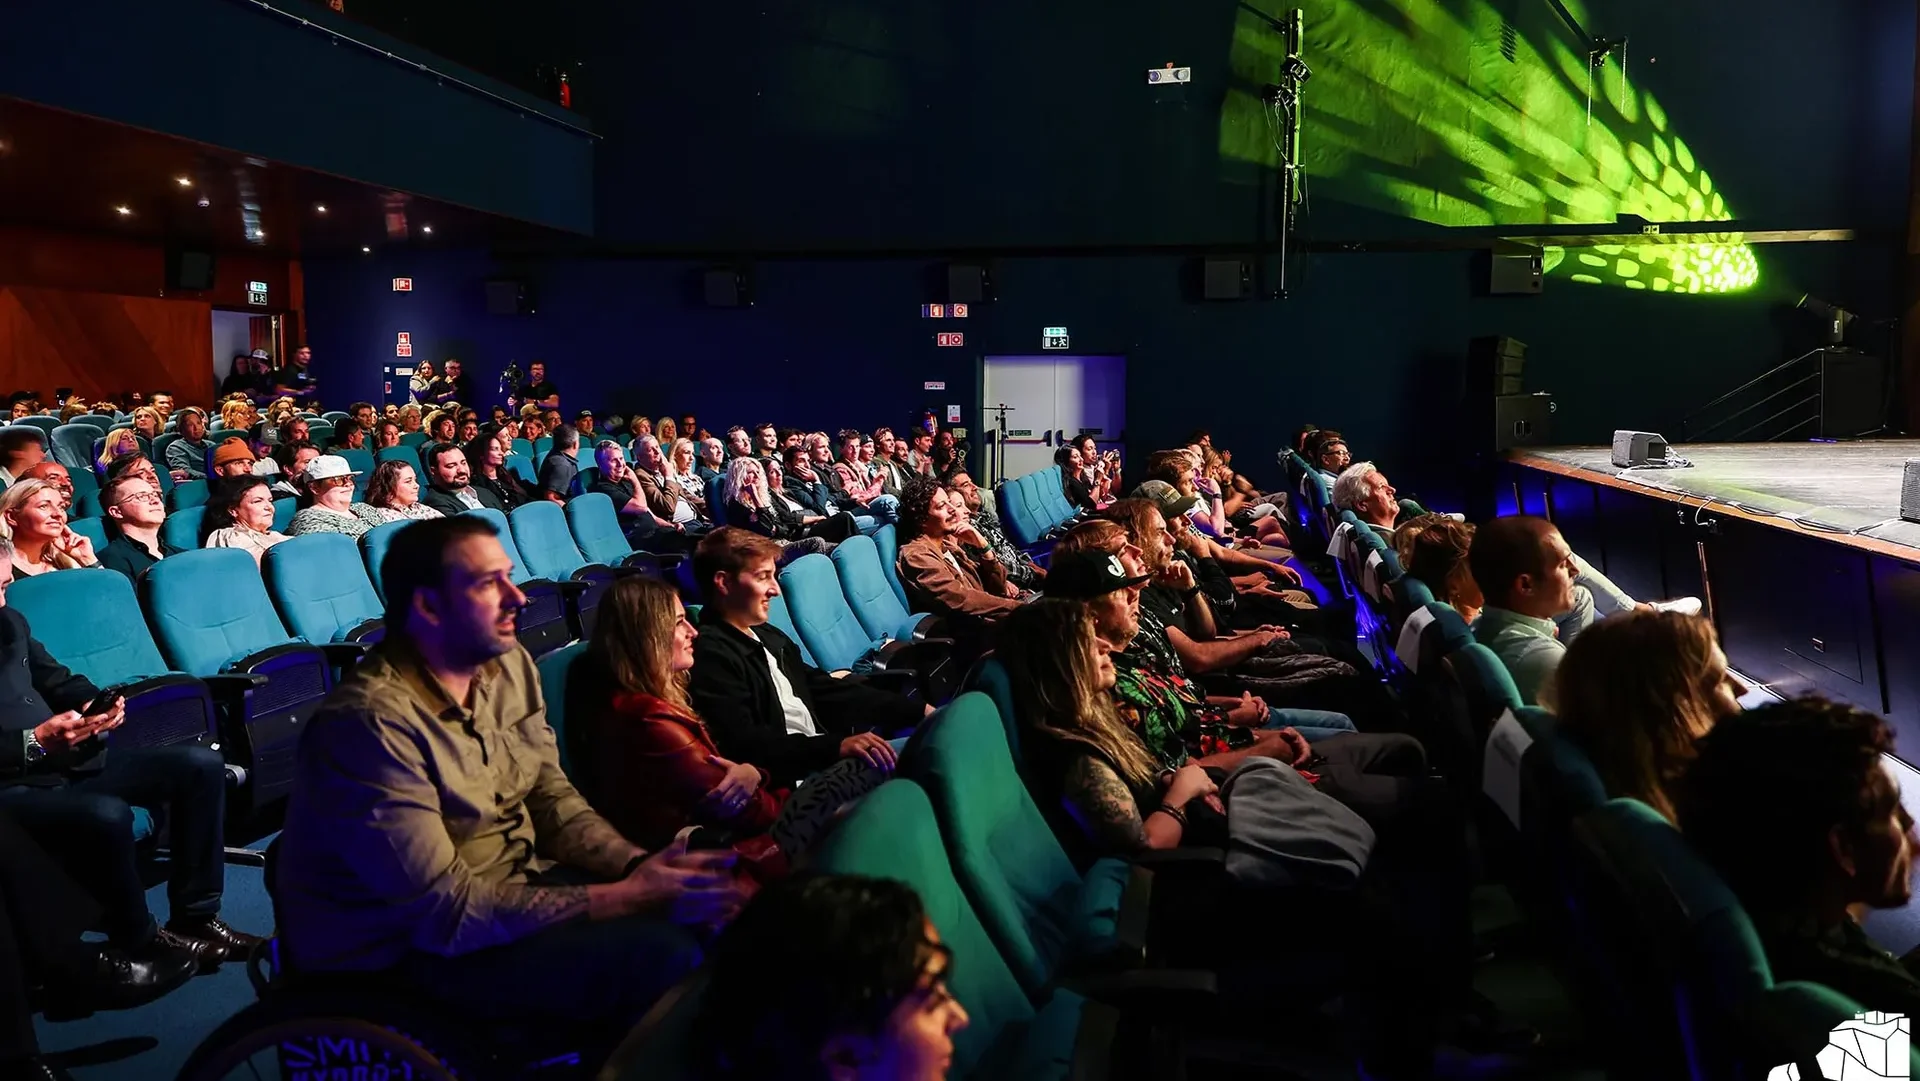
(1808,400)
(1738,413)
(1690,433)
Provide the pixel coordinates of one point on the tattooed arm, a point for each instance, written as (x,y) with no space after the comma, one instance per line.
(1104,808)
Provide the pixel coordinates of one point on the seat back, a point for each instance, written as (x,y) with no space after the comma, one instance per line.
(523,448)
(335,416)
(554,669)
(521,466)
(596,529)
(1053,493)
(320,585)
(73,445)
(44,423)
(412,439)
(209,608)
(101,421)
(181,529)
(1428,634)
(892,833)
(373,549)
(782,619)
(881,615)
(540,532)
(284,508)
(886,545)
(187,493)
(1484,680)
(1013,870)
(402,453)
(989,677)
(91,623)
(505,531)
(1014,513)
(819,610)
(362,461)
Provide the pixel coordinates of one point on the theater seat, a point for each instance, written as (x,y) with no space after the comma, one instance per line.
(554,669)
(210,612)
(401,453)
(596,533)
(1040,912)
(893,833)
(321,588)
(187,493)
(92,624)
(540,532)
(782,620)
(411,439)
(73,445)
(521,466)
(284,508)
(864,583)
(181,529)
(544,625)
(989,677)
(886,544)
(94,529)
(837,640)
(373,549)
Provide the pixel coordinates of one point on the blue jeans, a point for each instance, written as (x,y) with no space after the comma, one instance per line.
(1314,724)
(884,508)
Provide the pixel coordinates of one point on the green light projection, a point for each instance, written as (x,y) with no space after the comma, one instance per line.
(1443,111)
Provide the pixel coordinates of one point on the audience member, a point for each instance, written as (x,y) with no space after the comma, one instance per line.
(948,569)
(187,455)
(240,379)
(441,427)
(764,704)
(55,475)
(644,528)
(240,515)
(834,527)
(487,464)
(1433,548)
(666,501)
(347,435)
(410,851)
(561,467)
(411,418)
(60,785)
(1794,804)
(331,509)
(537,390)
(146,423)
(1363,489)
(469,426)
(1022,571)
(134,511)
(802,491)
(232,458)
(363,414)
(864,995)
(1636,692)
(119,443)
(685,482)
(393,494)
(454,386)
(450,487)
(1525,570)
(666,430)
(33,516)
(739,443)
(583,422)
(20,450)
(712,460)
(296,381)
(751,506)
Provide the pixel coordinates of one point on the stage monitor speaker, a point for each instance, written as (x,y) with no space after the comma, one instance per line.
(1852,393)
(1910,491)
(189,270)
(1522,420)
(1632,449)
(1226,279)
(509,296)
(1515,273)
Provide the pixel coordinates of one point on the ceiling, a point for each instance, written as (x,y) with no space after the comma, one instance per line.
(71,173)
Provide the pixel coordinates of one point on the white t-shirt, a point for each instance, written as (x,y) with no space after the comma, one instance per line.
(799,721)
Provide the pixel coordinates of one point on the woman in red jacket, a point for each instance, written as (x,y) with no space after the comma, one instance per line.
(651,764)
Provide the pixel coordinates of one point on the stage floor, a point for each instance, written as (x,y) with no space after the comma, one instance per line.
(1851,490)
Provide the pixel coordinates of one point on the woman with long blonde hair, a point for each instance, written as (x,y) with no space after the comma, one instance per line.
(1635,691)
(666,430)
(1084,761)
(33,516)
(119,443)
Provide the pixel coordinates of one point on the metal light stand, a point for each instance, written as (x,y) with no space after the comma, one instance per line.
(998,442)
(1285,96)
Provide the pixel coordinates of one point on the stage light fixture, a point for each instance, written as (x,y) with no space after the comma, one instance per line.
(1836,317)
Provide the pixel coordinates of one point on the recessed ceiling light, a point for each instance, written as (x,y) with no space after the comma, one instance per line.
(319,208)
(183,181)
(364,248)
(205,202)
(123,210)
(427,229)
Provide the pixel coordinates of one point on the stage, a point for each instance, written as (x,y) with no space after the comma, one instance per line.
(1797,549)
(1845,492)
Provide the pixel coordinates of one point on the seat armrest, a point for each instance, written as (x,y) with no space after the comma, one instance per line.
(1093,1043)
(921,655)
(931,626)
(571,587)
(233,685)
(1132,924)
(345,654)
(899,681)
(661,562)
(1187,997)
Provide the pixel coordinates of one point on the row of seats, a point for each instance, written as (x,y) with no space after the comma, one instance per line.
(1035,506)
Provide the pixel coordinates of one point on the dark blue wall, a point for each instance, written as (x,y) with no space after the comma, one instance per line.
(234,75)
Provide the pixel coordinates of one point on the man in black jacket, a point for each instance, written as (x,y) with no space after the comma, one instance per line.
(760,700)
(61,785)
(450,488)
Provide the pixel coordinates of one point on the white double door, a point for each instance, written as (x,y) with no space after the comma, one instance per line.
(1053,398)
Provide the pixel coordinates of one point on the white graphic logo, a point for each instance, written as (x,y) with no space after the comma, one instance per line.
(1871,1047)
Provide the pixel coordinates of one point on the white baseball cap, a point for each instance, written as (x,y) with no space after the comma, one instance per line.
(328,466)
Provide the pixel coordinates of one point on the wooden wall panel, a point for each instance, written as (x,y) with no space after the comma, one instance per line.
(102,345)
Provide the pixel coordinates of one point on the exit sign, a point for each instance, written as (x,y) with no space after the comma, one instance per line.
(950,339)
(403,285)
(1053,338)
(257,294)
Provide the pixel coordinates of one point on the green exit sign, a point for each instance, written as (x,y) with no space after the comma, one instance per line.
(1053,332)
(256,287)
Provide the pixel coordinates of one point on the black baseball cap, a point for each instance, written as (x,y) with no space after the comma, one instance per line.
(1083,576)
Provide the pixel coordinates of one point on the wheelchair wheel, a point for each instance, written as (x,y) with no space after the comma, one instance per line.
(296,1037)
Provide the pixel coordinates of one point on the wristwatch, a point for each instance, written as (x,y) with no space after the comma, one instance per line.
(35,752)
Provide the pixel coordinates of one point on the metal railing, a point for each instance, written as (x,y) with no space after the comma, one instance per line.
(1783,402)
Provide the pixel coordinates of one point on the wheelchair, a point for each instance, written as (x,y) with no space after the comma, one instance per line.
(365,1026)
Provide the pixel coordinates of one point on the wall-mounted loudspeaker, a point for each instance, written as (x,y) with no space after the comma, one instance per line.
(1225,279)
(189,270)
(968,283)
(727,287)
(510,296)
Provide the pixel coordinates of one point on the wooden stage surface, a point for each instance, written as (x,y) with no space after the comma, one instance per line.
(1847,493)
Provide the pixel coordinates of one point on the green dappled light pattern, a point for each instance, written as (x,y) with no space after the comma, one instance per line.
(1443,111)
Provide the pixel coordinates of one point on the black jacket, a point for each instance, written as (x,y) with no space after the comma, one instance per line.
(33,690)
(446,502)
(814,495)
(732,691)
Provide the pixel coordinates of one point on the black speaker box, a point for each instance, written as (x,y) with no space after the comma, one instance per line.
(1225,279)
(727,287)
(509,296)
(190,270)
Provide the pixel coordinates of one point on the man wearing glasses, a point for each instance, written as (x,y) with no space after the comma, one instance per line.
(134,509)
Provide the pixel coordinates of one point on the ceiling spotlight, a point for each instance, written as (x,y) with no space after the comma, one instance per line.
(123,210)
(205,202)
(183,181)
(319,208)
(364,249)
(427,229)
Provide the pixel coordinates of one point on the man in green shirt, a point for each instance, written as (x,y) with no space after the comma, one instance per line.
(1526,571)
(431,834)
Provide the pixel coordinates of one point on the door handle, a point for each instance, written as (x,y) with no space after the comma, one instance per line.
(1046,438)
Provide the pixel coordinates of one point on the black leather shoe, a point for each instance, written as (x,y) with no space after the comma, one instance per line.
(207,952)
(121,982)
(234,945)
